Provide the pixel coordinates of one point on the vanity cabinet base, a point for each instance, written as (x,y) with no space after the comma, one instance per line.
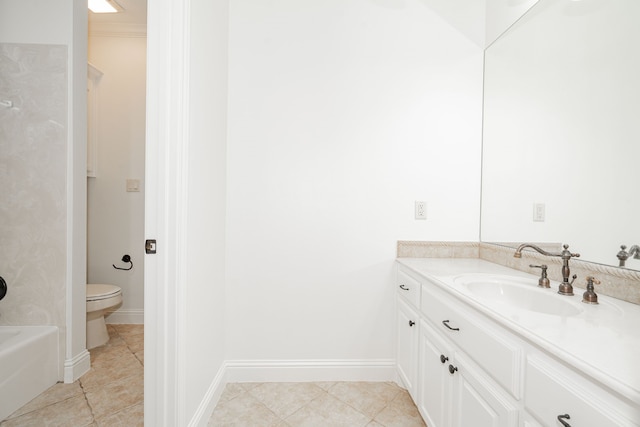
(444,359)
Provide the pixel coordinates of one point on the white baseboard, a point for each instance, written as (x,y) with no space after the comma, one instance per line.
(311,370)
(119,317)
(76,367)
(210,399)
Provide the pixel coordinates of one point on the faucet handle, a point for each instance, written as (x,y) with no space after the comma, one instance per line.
(543,281)
(567,253)
(592,281)
(590,297)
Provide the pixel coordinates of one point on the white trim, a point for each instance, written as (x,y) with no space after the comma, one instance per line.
(165,216)
(119,317)
(94,72)
(74,331)
(77,366)
(101,29)
(310,370)
(210,399)
(180,157)
(181,203)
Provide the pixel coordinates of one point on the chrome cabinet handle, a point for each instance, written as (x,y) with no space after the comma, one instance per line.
(404,288)
(446,323)
(562,421)
(443,358)
(452,369)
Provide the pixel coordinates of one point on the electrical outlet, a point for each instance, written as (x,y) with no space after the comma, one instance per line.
(421,210)
(538,212)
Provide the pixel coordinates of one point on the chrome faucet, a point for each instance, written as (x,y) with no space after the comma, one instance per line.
(565,288)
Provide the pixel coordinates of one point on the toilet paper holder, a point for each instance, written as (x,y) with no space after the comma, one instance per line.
(125,258)
(3,288)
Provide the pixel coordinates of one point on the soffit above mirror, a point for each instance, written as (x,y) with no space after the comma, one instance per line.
(481,21)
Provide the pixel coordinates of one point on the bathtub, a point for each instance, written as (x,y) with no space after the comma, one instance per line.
(28,364)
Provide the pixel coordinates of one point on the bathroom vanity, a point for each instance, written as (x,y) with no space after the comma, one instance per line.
(480,344)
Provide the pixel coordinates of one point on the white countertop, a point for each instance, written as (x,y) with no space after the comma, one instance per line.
(602,341)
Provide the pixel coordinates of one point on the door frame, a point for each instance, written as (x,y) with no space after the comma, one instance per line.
(167,136)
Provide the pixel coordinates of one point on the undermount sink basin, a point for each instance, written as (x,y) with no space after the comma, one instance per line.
(518,293)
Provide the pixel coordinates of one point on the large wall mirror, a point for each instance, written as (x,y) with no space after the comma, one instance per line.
(562,129)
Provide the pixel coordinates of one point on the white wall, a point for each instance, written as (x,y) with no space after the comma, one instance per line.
(205,298)
(61,22)
(115,216)
(341,115)
(32,21)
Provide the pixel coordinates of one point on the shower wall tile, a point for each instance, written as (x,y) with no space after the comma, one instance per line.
(33,201)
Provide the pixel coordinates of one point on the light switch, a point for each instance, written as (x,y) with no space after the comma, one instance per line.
(133,185)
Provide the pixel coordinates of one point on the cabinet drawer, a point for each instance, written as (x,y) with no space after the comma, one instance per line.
(484,342)
(551,391)
(408,287)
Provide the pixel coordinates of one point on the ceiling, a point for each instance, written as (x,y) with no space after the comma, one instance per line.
(132,20)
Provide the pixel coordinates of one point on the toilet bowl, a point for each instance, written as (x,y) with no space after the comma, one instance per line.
(100,299)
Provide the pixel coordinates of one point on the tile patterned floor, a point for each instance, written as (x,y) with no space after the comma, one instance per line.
(326,404)
(110,394)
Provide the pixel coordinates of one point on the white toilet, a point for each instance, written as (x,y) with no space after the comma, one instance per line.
(100,299)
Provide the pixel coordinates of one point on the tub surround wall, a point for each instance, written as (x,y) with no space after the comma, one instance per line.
(61,177)
(33,168)
(620,283)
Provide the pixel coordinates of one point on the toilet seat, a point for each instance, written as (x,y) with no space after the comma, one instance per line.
(100,292)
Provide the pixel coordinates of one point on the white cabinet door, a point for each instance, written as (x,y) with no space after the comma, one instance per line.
(435,382)
(477,401)
(455,392)
(407,350)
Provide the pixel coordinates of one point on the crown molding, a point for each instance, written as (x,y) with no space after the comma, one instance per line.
(102,29)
